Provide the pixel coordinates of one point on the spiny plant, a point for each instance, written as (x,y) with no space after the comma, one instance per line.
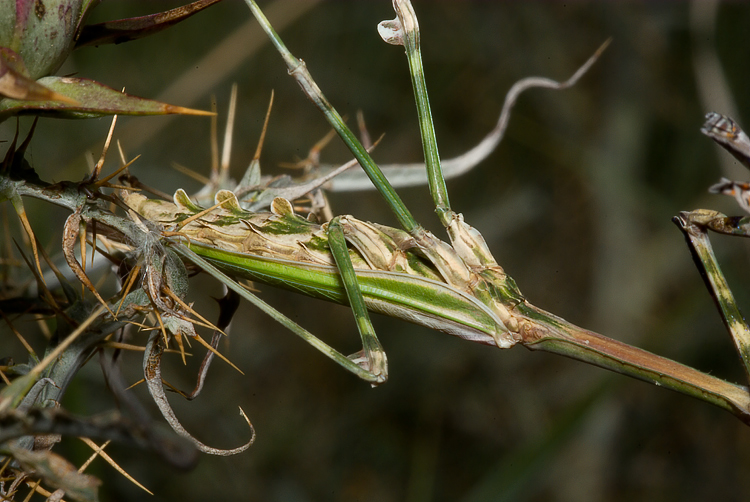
(36,37)
(456,287)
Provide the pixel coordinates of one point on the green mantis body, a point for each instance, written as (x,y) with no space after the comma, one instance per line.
(457,288)
(452,285)
(286,250)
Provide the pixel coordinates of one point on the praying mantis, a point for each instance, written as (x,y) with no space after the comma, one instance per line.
(462,290)
(408,273)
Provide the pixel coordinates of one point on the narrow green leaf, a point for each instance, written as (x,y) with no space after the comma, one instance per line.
(15,85)
(94,100)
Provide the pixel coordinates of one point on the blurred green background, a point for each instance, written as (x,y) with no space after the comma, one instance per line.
(575,204)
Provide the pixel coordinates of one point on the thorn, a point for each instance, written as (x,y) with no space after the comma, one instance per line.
(181,346)
(70,232)
(100,163)
(263,131)
(20,337)
(102,181)
(217,353)
(186,170)
(133,275)
(363,133)
(226,152)
(214,141)
(27,141)
(205,323)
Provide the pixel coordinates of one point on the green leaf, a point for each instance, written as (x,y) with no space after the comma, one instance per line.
(13,83)
(93,100)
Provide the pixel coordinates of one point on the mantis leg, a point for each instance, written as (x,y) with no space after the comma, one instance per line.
(695,225)
(347,363)
(468,263)
(374,357)
(727,134)
(299,71)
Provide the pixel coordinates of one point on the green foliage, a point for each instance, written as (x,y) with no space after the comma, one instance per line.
(37,36)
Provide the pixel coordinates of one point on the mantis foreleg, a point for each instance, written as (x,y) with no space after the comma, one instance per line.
(695,225)
(375,359)
(323,347)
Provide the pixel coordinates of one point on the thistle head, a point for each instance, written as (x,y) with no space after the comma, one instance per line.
(37,36)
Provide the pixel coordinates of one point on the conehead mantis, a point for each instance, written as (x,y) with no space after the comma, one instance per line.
(495,311)
(455,287)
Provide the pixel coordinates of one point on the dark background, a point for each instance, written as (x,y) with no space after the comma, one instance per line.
(575,204)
